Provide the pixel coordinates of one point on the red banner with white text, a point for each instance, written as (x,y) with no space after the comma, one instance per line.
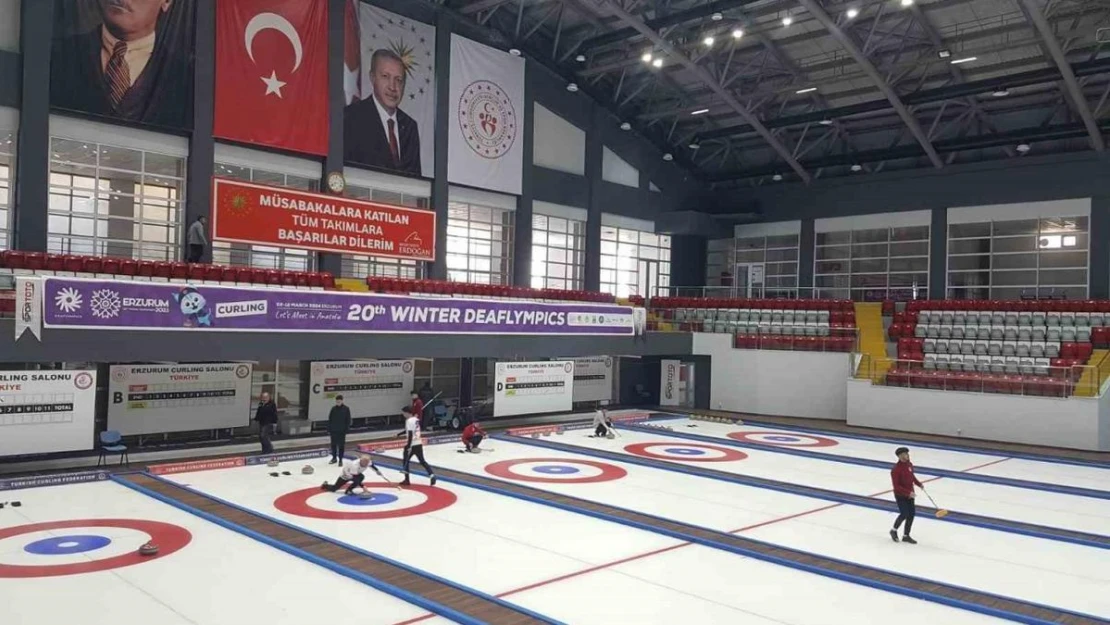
(244,212)
(272,73)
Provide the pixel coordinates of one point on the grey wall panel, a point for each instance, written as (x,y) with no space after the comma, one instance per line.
(559,187)
(10,76)
(91,346)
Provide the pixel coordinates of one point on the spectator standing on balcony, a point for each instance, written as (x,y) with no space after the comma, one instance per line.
(339,423)
(267,418)
(197,239)
(903,480)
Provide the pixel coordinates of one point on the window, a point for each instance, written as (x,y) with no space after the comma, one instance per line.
(779,256)
(282,380)
(558,253)
(872,264)
(479,244)
(720,260)
(264,256)
(107,200)
(1039,257)
(7,181)
(634,262)
(443,374)
(355,266)
(483,379)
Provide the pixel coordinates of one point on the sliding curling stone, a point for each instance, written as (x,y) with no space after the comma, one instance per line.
(148,549)
(272,463)
(366,495)
(610,435)
(307,470)
(547,433)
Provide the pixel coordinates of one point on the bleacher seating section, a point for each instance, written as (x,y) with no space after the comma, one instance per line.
(126,268)
(808,325)
(441,287)
(1018,347)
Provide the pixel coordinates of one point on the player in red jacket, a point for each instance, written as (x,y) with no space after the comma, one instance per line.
(903,479)
(472,435)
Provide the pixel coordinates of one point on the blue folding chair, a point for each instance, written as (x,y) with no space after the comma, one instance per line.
(110,444)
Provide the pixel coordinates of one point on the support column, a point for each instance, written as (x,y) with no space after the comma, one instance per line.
(29,223)
(333,162)
(202,147)
(689,257)
(522,238)
(594,155)
(938,254)
(1098,256)
(440,188)
(806,240)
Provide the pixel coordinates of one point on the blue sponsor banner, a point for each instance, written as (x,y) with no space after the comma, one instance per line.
(309,454)
(57,479)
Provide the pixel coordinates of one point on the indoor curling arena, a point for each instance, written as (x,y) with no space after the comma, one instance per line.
(583,312)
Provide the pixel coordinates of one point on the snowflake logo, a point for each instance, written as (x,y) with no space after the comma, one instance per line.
(105,304)
(68,300)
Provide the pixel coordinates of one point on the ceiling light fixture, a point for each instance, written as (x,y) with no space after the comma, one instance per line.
(944,54)
(737,33)
(716,17)
(581,58)
(694,145)
(806,90)
(777,177)
(647,57)
(907,3)
(1001,93)
(626,126)
(572,87)
(657,63)
(852,13)
(826,122)
(709,41)
(788,20)
(1024,147)
(514,51)
(700,112)
(857,167)
(668,157)
(966,59)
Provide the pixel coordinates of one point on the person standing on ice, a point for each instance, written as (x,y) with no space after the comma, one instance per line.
(414,445)
(603,425)
(903,480)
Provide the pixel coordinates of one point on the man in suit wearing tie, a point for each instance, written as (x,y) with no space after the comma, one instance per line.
(131,67)
(376,131)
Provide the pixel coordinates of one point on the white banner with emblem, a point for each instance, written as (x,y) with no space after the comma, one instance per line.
(487,117)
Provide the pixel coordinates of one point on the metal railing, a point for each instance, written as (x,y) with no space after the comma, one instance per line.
(769,292)
(1000,379)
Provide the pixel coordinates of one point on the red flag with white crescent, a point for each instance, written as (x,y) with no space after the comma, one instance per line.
(272,73)
(352,53)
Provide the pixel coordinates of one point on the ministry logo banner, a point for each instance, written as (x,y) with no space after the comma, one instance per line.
(487,117)
(389,87)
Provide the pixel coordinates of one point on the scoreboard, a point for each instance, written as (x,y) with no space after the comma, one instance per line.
(533,387)
(151,399)
(370,388)
(593,379)
(46,411)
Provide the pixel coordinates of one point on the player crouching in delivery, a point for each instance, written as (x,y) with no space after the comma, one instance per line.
(603,425)
(472,436)
(352,475)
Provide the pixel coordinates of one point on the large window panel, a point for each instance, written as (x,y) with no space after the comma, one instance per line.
(634,261)
(108,200)
(872,263)
(479,243)
(1019,258)
(558,252)
(359,266)
(7,183)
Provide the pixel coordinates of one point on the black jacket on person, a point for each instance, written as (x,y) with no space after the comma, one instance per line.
(266,413)
(339,419)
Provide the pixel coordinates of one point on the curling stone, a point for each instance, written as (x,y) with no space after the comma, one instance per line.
(307,470)
(272,463)
(366,495)
(610,435)
(547,433)
(149,549)
(559,432)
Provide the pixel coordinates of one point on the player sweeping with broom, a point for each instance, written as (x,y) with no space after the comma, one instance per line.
(903,480)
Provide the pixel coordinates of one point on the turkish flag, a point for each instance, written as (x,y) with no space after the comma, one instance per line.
(352,53)
(272,73)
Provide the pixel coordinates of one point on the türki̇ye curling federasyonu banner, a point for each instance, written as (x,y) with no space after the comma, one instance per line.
(131,305)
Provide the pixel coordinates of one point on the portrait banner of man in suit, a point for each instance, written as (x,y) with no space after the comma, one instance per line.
(124,59)
(389,83)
